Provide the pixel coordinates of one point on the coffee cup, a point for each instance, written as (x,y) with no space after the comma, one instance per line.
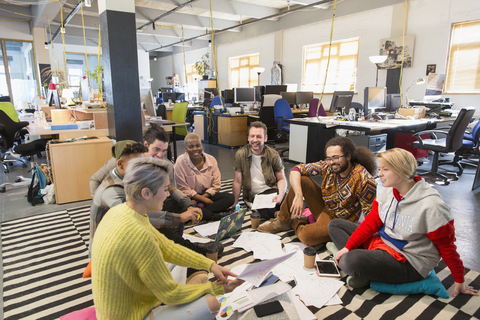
(309,254)
(211,251)
(255,219)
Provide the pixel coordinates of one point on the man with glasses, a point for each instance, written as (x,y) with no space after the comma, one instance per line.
(347,189)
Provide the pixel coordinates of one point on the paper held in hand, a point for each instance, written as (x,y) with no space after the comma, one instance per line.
(264,201)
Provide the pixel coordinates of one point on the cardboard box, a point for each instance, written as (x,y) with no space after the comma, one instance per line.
(406,112)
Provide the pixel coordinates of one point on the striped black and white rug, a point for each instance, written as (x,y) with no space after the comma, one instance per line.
(44,258)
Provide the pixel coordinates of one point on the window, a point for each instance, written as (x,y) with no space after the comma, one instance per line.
(241,71)
(192,86)
(463,65)
(342,71)
(18,77)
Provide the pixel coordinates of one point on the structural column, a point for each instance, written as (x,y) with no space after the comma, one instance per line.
(119,50)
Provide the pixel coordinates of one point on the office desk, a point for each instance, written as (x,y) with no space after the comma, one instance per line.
(43,132)
(226,129)
(308,136)
(168,125)
(73,163)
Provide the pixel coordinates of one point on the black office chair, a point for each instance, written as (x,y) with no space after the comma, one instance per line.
(8,131)
(470,149)
(451,143)
(357,106)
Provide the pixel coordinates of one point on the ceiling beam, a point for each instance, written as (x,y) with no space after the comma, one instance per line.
(257,20)
(165,14)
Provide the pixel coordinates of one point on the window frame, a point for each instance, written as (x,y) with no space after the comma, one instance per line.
(450,88)
(253,76)
(321,77)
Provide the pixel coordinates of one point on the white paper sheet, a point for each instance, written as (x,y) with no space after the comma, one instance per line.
(264,245)
(256,273)
(291,267)
(264,201)
(316,291)
(303,312)
(194,239)
(207,229)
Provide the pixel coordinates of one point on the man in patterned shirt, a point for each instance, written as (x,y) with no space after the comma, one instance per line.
(347,189)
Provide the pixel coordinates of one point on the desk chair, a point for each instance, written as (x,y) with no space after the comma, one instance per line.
(357,106)
(451,143)
(312,111)
(9,130)
(179,113)
(282,112)
(216,102)
(470,147)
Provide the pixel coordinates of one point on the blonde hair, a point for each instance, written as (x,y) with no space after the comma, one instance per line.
(400,161)
(142,173)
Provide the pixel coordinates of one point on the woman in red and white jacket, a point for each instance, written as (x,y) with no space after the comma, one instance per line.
(403,238)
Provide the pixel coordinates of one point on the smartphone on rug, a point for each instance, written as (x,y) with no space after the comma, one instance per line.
(266,309)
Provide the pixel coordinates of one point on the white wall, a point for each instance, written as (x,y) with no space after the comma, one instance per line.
(370,27)
(159,70)
(16,30)
(264,45)
(144,69)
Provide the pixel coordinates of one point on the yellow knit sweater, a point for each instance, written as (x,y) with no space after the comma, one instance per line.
(129,275)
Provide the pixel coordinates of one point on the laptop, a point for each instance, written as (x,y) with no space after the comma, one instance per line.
(229,225)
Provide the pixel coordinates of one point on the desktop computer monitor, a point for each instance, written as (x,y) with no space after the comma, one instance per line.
(146,98)
(434,87)
(227,95)
(290,97)
(271,89)
(304,97)
(341,101)
(394,102)
(244,95)
(375,99)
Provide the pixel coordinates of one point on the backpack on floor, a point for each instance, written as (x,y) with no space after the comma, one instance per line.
(38,182)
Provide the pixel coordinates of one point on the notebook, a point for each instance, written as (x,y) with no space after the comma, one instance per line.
(229,225)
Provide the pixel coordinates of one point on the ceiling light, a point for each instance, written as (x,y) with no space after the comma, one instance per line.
(62,30)
(209,43)
(46,45)
(154,58)
(88,3)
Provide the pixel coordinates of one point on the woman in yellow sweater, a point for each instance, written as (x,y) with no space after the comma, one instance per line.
(129,278)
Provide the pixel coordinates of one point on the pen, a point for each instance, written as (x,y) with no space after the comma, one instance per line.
(198,217)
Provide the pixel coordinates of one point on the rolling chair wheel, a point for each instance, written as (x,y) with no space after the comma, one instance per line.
(455,178)
(2,190)
(419,163)
(10,164)
(447,182)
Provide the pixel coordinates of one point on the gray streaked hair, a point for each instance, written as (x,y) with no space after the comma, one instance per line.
(142,173)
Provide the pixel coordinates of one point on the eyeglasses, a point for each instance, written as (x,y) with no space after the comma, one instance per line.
(333,159)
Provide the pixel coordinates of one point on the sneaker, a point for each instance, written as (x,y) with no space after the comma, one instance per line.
(202,247)
(357,282)
(220,215)
(332,248)
(275,226)
(196,276)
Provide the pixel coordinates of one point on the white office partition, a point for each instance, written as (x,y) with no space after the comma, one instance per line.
(298,143)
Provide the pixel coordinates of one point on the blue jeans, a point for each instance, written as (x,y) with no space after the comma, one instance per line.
(197,309)
(377,265)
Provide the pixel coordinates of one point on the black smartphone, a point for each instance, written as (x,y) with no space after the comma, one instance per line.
(266,309)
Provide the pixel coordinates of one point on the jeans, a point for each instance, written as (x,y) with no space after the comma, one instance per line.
(221,202)
(377,265)
(309,234)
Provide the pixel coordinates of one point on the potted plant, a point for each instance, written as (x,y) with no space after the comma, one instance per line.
(94,75)
(202,66)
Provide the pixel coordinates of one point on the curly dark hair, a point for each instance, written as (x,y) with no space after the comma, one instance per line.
(155,132)
(132,148)
(360,155)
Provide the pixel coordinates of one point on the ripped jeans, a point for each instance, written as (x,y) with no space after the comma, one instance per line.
(197,309)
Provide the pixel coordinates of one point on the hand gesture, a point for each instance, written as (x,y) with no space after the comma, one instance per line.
(191,216)
(340,254)
(461,287)
(297,207)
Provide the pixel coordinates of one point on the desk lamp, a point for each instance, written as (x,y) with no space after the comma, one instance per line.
(418,81)
(259,71)
(377,60)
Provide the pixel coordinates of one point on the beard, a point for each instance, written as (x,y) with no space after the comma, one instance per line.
(339,168)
